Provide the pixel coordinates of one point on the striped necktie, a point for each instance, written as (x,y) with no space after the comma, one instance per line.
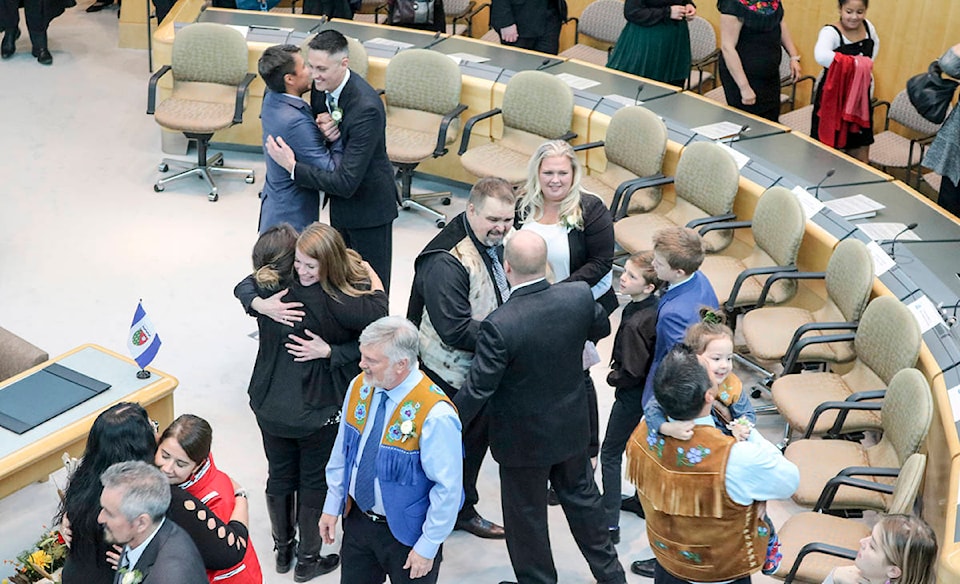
(499,276)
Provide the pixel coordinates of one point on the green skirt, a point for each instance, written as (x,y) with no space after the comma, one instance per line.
(660,52)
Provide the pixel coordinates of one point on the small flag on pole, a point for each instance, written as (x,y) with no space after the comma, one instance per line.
(143,341)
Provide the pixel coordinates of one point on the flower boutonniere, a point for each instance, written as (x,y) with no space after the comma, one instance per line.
(337,115)
(570,222)
(130,576)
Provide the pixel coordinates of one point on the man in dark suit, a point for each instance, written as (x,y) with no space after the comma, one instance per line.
(528,365)
(133,511)
(529,24)
(362,190)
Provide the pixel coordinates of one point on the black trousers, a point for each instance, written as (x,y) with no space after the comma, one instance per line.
(476,442)
(375,244)
(32,11)
(524,496)
(298,465)
(548,42)
(370,553)
(625,414)
(593,410)
(661,576)
(949,197)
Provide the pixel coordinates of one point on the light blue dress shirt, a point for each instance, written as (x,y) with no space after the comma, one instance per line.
(441,456)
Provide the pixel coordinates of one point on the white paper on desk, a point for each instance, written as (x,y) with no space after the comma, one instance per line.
(811,205)
(622,99)
(389,43)
(954,394)
(718,130)
(577,82)
(469,57)
(455,59)
(887,231)
(857,205)
(739,157)
(241,29)
(881,261)
(926,313)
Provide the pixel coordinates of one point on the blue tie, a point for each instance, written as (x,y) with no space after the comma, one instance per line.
(367,471)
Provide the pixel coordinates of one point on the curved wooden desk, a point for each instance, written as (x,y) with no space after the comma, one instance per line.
(776,157)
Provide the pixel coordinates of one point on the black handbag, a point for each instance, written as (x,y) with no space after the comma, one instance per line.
(412,12)
(931,94)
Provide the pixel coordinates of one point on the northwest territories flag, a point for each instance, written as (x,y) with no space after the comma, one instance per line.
(143,341)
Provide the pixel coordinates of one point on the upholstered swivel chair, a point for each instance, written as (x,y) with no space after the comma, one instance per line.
(634,146)
(423,118)
(738,276)
(887,340)
(771,333)
(706,185)
(17,355)
(905,417)
(704,53)
(815,542)
(536,107)
(893,150)
(210,82)
(601,20)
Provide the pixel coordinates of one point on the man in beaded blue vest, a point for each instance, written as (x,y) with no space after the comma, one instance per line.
(396,470)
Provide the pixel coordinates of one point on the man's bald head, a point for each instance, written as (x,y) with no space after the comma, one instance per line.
(525,257)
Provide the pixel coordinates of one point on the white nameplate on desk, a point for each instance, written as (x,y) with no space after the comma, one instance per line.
(718,130)
(855,207)
(389,43)
(739,157)
(926,313)
(881,261)
(577,82)
(811,205)
(887,231)
(623,100)
(469,58)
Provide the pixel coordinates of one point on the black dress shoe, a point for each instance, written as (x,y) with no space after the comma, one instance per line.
(644,567)
(632,505)
(98,6)
(9,45)
(43,56)
(480,527)
(310,568)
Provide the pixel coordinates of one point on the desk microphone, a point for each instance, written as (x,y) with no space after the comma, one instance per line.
(316,27)
(690,139)
(893,242)
(816,189)
(636,98)
(736,137)
(436,39)
(952,319)
(546,63)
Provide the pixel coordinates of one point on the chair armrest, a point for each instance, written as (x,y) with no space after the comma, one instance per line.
(241,96)
(694,223)
(621,197)
(830,490)
(441,148)
(468,127)
(576,28)
(816,547)
(886,115)
(798,344)
(748,273)
(717,225)
(588,146)
(788,276)
(843,407)
(568,136)
(876,471)
(152,88)
(383,9)
(17,354)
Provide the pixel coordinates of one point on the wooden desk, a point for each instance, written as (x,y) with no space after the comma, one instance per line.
(33,455)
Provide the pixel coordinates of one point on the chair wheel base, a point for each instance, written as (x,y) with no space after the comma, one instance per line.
(248,179)
(157,188)
(213,197)
(163,167)
(440,223)
(445,201)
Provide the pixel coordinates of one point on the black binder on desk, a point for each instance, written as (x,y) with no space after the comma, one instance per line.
(43,395)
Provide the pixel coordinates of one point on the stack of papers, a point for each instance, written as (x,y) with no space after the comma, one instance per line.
(389,43)
(577,82)
(718,130)
(811,205)
(855,207)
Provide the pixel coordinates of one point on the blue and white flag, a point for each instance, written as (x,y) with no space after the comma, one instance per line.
(143,341)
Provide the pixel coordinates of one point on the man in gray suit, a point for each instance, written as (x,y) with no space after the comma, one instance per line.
(133,511)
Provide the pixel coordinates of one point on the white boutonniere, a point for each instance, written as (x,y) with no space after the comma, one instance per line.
(407,429)
(569,222)
(337,115)
(131,576)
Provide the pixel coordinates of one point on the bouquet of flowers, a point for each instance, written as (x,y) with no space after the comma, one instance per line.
(41,563)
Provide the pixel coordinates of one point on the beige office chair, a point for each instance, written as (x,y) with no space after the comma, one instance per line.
(800,335)
(704,53)
(634,146)
(374,11)
(423,117)
(17,355)
(491,36)
(738,275)
(905,417)
(536,107)
(892,150)
(814,543)
(933,179)
(799,120)
(601,20)
(788,87)
(887,340)
(210,82)
(356,53)
(705,185)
